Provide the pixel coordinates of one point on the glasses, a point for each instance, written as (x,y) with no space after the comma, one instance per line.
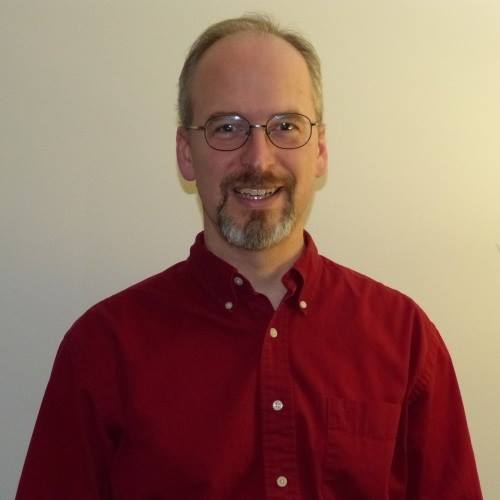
(230,132)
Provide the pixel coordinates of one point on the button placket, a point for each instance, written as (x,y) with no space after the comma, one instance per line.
(278,426)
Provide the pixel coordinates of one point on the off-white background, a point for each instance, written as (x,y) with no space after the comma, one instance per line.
(91,202)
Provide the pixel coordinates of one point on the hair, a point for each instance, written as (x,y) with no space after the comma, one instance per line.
(257,23)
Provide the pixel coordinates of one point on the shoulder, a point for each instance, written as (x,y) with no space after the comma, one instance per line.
(385,321)
(377,306)
(356,286)
(137,306)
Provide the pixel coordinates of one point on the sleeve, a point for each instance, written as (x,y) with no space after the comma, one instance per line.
(441,461)
(71,447)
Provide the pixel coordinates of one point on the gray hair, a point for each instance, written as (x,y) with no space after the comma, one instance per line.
(257,23)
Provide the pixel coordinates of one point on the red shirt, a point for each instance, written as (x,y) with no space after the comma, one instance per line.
(189,386)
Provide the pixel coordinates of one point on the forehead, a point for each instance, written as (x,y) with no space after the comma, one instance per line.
(256,74)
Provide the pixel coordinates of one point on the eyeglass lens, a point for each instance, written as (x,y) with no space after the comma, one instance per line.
(287,131)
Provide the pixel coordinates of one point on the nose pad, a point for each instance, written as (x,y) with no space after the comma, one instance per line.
(254,129)
(257,151)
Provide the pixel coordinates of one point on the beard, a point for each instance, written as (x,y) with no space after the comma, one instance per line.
(258,232)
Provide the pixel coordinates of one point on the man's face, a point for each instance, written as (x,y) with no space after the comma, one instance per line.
(257,195)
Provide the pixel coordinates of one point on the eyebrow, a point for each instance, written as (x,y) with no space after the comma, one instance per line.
(217,114)
(224,113)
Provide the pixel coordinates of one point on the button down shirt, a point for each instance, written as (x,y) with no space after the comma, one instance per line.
(190,385)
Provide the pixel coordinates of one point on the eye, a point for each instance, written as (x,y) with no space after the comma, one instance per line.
(224,128)
(286,126)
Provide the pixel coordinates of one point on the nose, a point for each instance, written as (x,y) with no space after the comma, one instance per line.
(258,151)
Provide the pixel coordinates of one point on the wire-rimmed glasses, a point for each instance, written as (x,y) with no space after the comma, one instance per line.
(230,132)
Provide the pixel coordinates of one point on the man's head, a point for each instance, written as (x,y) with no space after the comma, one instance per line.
(255,192)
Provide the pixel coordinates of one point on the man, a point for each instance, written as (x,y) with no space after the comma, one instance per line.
(256,369)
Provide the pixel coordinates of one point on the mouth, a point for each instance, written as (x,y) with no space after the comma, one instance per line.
(256,193)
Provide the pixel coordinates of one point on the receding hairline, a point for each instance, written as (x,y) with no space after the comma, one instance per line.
(248,35)
(250,23)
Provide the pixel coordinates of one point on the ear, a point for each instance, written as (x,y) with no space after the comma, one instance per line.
(184,158)
(322,159)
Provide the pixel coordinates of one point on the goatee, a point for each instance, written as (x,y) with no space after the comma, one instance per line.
(258,232)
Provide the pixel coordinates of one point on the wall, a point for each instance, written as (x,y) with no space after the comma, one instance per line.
(90,200)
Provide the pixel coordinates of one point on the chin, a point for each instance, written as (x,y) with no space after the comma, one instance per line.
(256,233)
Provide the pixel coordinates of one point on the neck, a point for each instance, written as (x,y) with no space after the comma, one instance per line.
(263,268)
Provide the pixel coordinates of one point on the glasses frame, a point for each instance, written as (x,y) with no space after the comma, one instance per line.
(252,126)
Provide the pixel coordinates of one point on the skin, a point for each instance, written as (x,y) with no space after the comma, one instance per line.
(255,75)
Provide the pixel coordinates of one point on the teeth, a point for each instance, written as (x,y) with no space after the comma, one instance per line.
(256,194)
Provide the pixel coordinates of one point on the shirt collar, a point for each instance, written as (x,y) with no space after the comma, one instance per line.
(302,279)
(224,283)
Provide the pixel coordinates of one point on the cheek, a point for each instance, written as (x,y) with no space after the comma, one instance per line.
(304,190)
(210,165)
(208,188)
(305,183)
(208,183)
(304,170)
(211,170)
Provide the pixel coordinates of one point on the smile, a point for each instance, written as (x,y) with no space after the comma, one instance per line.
(256,193)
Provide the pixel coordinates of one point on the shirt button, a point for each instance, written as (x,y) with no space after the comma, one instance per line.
(303,304)
(278,405)
(228,305)
(281,481)
(273,332)
(238,280)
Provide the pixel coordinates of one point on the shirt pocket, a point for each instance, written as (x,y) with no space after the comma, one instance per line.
(361,437)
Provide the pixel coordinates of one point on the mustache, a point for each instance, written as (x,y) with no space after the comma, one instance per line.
(257,179)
